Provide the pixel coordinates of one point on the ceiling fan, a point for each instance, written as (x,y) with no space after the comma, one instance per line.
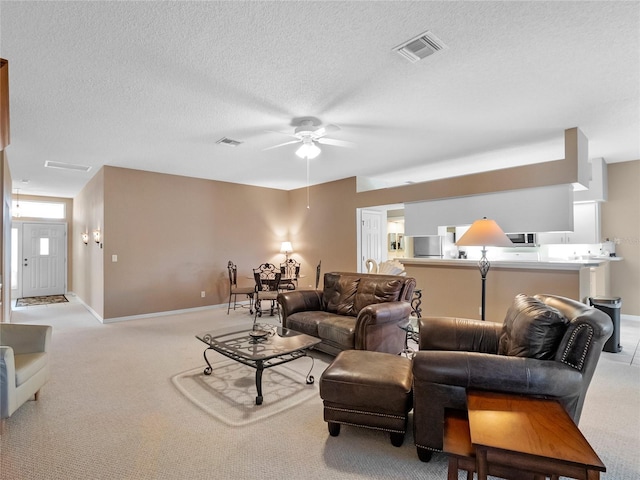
(310,132)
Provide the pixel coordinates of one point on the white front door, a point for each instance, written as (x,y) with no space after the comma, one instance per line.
(44,259)
(371,237)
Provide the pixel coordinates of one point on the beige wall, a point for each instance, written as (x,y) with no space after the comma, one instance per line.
(326,230)
(621,219)
(174,235)
(88,266)
(331,221)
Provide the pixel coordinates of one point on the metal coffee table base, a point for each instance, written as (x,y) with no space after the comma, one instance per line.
(261,365)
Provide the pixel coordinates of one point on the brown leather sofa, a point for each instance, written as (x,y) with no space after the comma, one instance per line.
(353,311)
(548,346)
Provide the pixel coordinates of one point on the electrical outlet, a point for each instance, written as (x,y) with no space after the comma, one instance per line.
(202,294)
(479,310)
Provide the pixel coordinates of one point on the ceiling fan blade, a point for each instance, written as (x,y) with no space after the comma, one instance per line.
(322,131)
(283,133)
(281,145)
(335,143)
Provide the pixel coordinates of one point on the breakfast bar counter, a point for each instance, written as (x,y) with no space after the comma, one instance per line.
(452,287)
(524,264)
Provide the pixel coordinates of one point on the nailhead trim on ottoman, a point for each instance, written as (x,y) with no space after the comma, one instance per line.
(368,389)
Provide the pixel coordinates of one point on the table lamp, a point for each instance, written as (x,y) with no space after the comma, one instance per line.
(484,233)
(286,248)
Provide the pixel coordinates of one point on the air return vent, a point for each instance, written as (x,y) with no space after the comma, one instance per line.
(420,47)
(67,166)
(228,142)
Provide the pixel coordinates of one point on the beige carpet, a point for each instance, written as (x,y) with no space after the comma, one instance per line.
(229,393)
(111,411)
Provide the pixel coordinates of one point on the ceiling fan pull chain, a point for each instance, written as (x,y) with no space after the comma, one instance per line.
(307,183)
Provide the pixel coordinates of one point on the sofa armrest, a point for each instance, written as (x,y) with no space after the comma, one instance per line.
(441,380)
(378,327)
(7,381)
(463,334)
(295,301)
(26,338)
(483,371)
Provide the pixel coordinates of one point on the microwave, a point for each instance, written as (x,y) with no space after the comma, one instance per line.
(523,239)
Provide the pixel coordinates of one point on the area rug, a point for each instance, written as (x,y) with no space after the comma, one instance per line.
(229,393)
(43,300)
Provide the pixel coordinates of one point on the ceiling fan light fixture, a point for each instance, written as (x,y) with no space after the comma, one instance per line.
(308,150)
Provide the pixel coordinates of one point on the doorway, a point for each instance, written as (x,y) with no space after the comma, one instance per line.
(371,234)
(38,259)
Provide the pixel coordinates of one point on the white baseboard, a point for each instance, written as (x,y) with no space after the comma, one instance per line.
(145,315)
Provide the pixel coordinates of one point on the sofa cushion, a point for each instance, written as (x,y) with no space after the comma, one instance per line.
(376,290)
(28,364)
(339,294)
(307,322)
(339,330)
(531,329)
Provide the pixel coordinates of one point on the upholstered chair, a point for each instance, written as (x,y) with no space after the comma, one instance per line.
(547,346)
(24,364)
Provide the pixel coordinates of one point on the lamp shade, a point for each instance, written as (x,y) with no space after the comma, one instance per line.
(286,247)
(484,233)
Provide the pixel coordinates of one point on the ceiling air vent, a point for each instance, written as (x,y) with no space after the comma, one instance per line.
(67,166)
(420,47)
(228,142)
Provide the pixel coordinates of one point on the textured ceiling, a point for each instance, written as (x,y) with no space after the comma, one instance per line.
(153,86)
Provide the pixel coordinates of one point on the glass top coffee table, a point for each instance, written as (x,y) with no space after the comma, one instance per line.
(264,346)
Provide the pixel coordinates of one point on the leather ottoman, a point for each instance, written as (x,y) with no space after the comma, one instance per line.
(368,389)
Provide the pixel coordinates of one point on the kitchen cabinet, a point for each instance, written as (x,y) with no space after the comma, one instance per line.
(540,209)
(586,227)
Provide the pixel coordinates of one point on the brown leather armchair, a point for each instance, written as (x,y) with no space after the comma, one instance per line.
(535,352)
(353,311)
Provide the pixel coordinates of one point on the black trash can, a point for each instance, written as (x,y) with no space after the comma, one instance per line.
(610,306)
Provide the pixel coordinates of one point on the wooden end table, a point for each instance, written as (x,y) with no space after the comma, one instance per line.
(529,435)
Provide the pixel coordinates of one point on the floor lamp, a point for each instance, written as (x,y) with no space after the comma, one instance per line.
(484,233)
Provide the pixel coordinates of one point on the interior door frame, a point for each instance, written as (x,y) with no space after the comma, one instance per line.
(382,232)
(19,225)
(383,209)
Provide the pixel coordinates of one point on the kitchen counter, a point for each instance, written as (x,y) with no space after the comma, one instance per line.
(520,264)
(452,287)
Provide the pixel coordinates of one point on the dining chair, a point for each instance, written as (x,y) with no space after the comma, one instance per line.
(318,274)
(290,271)
(235,290)
(267,278)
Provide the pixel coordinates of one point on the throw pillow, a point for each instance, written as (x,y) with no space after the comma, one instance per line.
(531,329)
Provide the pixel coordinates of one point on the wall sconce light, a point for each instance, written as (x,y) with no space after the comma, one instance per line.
(96,236)
(85,237)
(286,248)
